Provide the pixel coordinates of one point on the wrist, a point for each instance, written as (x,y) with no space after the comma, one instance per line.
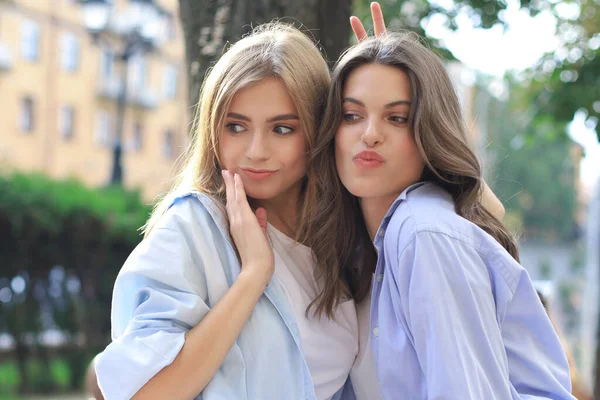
(254,278)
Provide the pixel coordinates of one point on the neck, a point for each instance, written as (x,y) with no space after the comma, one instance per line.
(282,211)
(374,210)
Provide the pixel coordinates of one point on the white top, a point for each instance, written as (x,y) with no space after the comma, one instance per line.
(330,346)
(363,373)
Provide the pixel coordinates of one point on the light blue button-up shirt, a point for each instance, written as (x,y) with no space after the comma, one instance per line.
(453,315)
(168,284)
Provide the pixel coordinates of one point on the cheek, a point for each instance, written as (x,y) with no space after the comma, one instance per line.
(221,152)
(228,149)
(341,145)
(293,152)
(411,152)
(343,141)
(338,140)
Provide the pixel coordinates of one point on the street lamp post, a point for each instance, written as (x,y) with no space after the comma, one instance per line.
(140,27)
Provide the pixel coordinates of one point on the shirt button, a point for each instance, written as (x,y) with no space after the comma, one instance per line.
(379,278)
(381,232)
(375,332)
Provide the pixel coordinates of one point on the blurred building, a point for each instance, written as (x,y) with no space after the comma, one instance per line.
(474,103)
(59,94)
(591,291)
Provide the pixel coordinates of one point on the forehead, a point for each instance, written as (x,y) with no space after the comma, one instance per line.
(268,97)
(376,82)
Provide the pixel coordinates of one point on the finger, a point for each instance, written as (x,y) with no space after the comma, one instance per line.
(261,216)
(358,28)
(225,175)
(229,189)
(240,193)
(377,15)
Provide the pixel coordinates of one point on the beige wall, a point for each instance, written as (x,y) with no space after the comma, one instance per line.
(51,86)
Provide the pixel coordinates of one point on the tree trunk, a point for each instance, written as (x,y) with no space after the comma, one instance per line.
(209,24)
(21,356)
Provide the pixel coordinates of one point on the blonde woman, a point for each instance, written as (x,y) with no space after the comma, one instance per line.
(196,313)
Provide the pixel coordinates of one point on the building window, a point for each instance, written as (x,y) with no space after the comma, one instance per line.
(168,149)
(107,60)
(26,116)
(137,73)
(69,52)
(170,82)
(30,40)
(137,139)
(103,128)
(66,122)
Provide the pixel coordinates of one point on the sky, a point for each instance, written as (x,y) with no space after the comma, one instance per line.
(496,51)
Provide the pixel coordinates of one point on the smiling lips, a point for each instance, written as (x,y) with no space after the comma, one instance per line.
(257,174)
(368,159)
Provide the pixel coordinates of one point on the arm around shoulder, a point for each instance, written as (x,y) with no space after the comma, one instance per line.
(490,202)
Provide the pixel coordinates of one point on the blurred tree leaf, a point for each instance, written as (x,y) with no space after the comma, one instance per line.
(535,170)
(561,83)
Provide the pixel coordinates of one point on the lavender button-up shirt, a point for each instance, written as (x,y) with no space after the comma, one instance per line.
(453,315)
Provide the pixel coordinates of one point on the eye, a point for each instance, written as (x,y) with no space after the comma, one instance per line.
(283,130)
(235,128)
(351,117)
(398,120)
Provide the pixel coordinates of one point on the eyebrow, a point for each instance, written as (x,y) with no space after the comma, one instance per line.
(282,117)
(390,105)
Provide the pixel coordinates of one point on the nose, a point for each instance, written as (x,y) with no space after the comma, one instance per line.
(258,147)
(372,135)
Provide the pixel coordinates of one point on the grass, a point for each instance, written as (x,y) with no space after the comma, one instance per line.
(41,380)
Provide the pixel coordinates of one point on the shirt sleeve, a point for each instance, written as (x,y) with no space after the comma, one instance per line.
(448,308)
(158,296)
(537,361)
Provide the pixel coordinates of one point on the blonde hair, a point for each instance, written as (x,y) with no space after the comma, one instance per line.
(272,50)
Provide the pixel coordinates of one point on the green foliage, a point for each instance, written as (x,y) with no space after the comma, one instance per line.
(61,247)
(561,83)
(567,80)
(9,378)
(545,269)
(52,202)
(535,172)
(42,378)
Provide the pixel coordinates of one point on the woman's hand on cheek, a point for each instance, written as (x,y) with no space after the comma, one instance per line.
(248,230)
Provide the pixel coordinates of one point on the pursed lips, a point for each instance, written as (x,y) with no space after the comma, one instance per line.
(368,159)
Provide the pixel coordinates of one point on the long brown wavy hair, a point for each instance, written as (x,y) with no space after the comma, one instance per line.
(272,50)
(440,134)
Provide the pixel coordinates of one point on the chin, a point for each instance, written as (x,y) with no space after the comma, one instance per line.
(260,194)
(263,190)
(360,189)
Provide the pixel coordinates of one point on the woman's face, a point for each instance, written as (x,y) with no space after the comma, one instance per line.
(263,141)
(376,154)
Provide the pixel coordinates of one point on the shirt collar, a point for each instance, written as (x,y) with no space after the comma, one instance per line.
(392,209)
(401,198)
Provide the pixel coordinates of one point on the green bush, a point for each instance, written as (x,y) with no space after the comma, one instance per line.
(61,247)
